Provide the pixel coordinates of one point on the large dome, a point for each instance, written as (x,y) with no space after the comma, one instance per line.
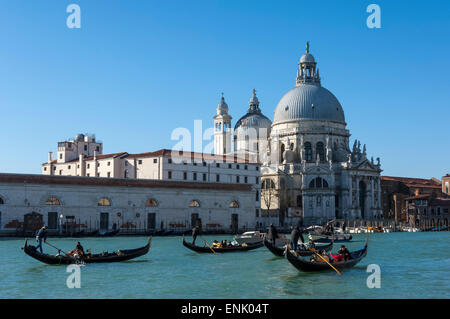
(308,101)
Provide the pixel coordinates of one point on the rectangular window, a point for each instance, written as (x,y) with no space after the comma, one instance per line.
(109,164)
(170,161)
(195,176)
(78,166)
(155,160)
(98,174)
(109,174)
(60,155)
(237,166)
(257,168)
(245,179)
(140,162)
(237,179)
(204,163)
(68,167)
(85,147)
(88,165)
(52,220)
(257,213)
(97,148)
(257,180)
(246,167)
(169,174)
(87,174)
(60,172)
(98,164)
(217,165)
(204,177)
(45,168)
(217,178)
(126,163)
(184,175)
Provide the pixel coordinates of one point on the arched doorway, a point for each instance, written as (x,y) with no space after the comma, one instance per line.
(362,198)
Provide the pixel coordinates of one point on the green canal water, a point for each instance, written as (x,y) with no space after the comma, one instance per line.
(413,265)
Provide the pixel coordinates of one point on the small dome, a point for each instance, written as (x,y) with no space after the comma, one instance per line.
(308,102)
(253,119)
(307,57)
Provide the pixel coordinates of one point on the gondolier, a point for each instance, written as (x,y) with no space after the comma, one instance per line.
(272,234)
(41,235)
(195,233)
(295,235)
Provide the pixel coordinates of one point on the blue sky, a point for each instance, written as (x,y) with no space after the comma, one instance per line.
(136,70)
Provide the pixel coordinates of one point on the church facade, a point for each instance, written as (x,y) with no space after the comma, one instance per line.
(309,173)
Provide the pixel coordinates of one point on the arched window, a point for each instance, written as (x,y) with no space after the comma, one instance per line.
(320,151)
(52,201)
(151,202)
(267,184)
(234,204)
(104,202)
(281,152)
(318,183)
(308,152)
(194,203)
(1,201)
(257,196)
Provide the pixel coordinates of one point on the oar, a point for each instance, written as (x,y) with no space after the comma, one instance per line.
(208,245)
(56,248)
(339,273)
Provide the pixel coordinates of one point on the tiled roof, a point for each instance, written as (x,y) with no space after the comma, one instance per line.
(118,182)
(413,182)
(172,154)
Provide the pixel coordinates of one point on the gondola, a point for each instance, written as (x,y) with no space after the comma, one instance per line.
(310,266)
(279,251)
(105,257)
(109,233)
(328,239)
(83,233)
(210,250)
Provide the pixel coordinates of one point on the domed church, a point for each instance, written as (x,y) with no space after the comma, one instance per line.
(309,173)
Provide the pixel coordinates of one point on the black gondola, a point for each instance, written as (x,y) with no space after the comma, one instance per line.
(109,233)
(279,251)
(210,250)
(305,265)
(83,233)
(119,255)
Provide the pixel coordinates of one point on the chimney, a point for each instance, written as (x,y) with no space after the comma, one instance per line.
(82,171)
(50,157)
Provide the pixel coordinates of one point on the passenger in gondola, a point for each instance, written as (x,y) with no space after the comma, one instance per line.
(41,235)
(78,251)
(311,244)
(272,234)
(343,251)
(195,233)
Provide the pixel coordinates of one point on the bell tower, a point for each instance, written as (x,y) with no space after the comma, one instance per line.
(222,129)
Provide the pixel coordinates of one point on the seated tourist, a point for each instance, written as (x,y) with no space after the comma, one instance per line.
(344,253)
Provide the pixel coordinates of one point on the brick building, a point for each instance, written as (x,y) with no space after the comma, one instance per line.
(395,191)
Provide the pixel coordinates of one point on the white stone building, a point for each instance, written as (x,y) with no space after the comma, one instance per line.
(28,201)
(309,173)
